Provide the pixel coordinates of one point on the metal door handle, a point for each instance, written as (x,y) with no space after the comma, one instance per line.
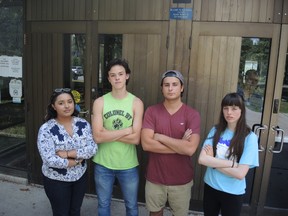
(257,131)
(281,132)
(84,113)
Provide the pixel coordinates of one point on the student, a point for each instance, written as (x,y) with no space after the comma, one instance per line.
(116,122)
(170,135)
(249,85)
(64,142)
(230,149)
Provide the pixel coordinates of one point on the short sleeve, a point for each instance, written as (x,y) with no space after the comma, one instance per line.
(149,120)
(250,155)
(209,138)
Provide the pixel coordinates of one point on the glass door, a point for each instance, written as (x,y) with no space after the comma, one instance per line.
(75,70)
(143,45)
(13,157)
(228,60)
(274,191)
(252,86)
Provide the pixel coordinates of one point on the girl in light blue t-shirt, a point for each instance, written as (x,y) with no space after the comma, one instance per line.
(229,151)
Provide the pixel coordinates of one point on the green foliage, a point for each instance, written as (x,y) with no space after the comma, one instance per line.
(284,107)
(255,49)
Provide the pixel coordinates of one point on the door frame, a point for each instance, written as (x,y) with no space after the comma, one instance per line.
(283,45)
(243,30)
(44,49)
(91,29)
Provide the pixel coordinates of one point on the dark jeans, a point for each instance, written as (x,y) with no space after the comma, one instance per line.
(65,197)
(214,201)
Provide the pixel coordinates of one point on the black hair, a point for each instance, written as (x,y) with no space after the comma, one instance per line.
(51,112)
(121,62)
(242,129)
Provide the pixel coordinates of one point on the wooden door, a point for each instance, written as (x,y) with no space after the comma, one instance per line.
(215,66)
(50,58)
(143,45)
(274,191)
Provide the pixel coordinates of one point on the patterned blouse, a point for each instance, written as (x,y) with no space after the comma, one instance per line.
(53,137)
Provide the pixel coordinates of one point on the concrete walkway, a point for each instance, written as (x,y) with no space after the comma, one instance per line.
(20,198)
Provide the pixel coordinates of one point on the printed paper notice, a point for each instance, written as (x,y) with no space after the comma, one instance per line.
(11,66)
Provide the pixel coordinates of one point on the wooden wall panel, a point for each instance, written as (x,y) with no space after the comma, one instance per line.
(240,11)
(256,10)
(94,5)
(227,9)
(203,10)
(143,53)
(217,72)
(263,12)
(45,73)
(234,10)
(197,10)
(97,10)
(214,74)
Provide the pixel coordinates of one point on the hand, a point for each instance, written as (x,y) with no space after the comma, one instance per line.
(156,136)
(62,154)
(209,150)
(187,134)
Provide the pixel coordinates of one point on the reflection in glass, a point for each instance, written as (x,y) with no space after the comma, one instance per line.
(12,119)
(74,77)
(253,71)
(110,47)
(78,46)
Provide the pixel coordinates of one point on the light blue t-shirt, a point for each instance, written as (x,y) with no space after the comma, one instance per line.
(223,182)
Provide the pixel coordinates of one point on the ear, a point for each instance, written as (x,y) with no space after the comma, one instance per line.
(53,106)
(127,76)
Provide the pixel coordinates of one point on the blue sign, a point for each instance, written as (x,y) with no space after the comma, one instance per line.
(181,13)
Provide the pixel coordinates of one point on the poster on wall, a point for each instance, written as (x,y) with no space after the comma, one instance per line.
(11,66)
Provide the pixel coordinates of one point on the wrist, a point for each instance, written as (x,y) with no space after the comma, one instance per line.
(77,162)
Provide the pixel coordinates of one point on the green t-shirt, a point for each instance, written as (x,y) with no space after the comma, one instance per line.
(117,114)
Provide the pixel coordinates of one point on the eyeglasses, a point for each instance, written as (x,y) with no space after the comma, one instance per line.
(59,90)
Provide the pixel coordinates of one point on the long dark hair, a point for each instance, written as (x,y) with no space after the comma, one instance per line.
(242,129)
(50,111)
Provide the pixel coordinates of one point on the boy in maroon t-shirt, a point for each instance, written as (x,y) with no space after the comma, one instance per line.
(170,134)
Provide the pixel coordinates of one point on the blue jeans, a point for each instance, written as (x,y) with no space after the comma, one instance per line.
(128,180)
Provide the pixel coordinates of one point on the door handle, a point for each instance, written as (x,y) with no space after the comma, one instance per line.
(281,132)
(257,131)
(84,113)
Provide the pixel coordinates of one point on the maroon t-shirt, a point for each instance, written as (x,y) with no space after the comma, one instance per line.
(170,169)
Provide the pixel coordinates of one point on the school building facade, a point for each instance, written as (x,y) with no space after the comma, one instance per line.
(67,43)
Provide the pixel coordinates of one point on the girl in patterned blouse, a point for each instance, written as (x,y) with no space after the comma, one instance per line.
(65,142)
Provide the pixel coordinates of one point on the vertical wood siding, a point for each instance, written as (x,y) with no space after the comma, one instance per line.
(234,10)
(152,43)
(262,11)
(215,73)
(44,73)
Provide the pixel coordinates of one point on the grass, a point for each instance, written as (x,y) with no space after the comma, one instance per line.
(284,107)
